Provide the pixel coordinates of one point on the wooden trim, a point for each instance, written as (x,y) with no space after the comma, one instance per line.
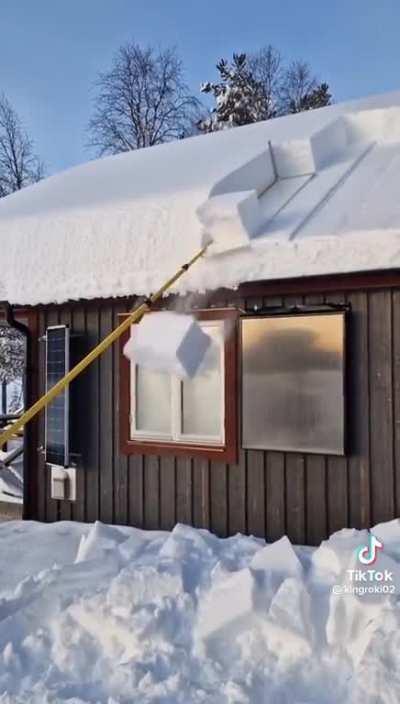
(229,451)
(29,317)
(322,284)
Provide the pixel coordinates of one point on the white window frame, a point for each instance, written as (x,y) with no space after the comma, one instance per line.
(177,437)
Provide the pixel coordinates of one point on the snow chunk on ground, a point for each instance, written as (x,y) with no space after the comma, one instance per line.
(114,615)
(230,605)
(279,557)
(333,555)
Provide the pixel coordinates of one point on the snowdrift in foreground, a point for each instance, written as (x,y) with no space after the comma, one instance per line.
(119,615)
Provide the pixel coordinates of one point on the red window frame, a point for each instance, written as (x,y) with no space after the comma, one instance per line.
(228,452)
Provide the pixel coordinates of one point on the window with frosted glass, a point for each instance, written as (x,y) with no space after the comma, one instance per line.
(202,395)
(293,370)
(152,401)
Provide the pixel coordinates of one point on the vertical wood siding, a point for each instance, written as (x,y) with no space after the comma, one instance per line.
(267,493)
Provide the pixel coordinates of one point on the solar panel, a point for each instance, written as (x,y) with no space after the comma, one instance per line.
(57,412)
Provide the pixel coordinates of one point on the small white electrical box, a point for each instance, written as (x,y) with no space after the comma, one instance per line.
(63,483)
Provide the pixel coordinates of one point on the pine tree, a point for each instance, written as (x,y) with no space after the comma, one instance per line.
(319,97)
(239,96)
(259,87)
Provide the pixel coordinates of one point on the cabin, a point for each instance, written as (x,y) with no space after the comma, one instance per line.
(293,427)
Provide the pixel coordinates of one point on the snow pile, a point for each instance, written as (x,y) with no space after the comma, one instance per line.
(311,193)
(168,342)
(118,615)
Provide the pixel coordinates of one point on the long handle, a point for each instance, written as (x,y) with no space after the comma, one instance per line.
(134,317)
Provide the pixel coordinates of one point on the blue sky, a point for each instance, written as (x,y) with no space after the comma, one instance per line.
(51,51)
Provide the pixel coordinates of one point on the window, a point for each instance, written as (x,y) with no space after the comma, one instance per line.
(293,382)
(161,413)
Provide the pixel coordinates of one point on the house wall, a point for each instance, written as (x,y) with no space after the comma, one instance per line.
(267,493)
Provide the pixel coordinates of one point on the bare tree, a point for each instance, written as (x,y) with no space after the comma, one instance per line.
(301,91)
(19,165)
(142,101)
(266,68)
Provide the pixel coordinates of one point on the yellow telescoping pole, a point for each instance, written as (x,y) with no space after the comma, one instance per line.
(134,317)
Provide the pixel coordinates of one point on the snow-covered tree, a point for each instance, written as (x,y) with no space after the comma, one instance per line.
(19,165)
(259,87)
(12,354)
(239,97)
(141,101)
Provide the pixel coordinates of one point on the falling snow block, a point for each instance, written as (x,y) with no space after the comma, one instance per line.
(168,342)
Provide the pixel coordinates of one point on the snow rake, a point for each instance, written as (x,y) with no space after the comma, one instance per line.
(134,317)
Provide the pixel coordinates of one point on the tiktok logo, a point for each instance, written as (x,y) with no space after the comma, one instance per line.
(368,554)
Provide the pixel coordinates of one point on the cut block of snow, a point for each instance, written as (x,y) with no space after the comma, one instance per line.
(185,540)
(230,220)
(294,158)
(388,532)
(333,556)
(373,125)
(229,604)
(289,619)
(329,143)
(256,174)
(351,624)
(168,342)
(100,540)
(279,557)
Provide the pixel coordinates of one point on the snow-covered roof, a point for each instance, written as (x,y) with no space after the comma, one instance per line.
(315,192)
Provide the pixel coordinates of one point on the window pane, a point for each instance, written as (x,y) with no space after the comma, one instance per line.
(293,369)
(153,401)
(201,396)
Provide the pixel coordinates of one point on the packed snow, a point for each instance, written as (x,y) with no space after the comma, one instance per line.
(116,615)
(312,193)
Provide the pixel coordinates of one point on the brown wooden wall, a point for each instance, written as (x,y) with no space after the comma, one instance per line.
(266,493)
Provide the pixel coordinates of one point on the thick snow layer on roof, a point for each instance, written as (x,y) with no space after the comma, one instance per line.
(314,193)
(95,613)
